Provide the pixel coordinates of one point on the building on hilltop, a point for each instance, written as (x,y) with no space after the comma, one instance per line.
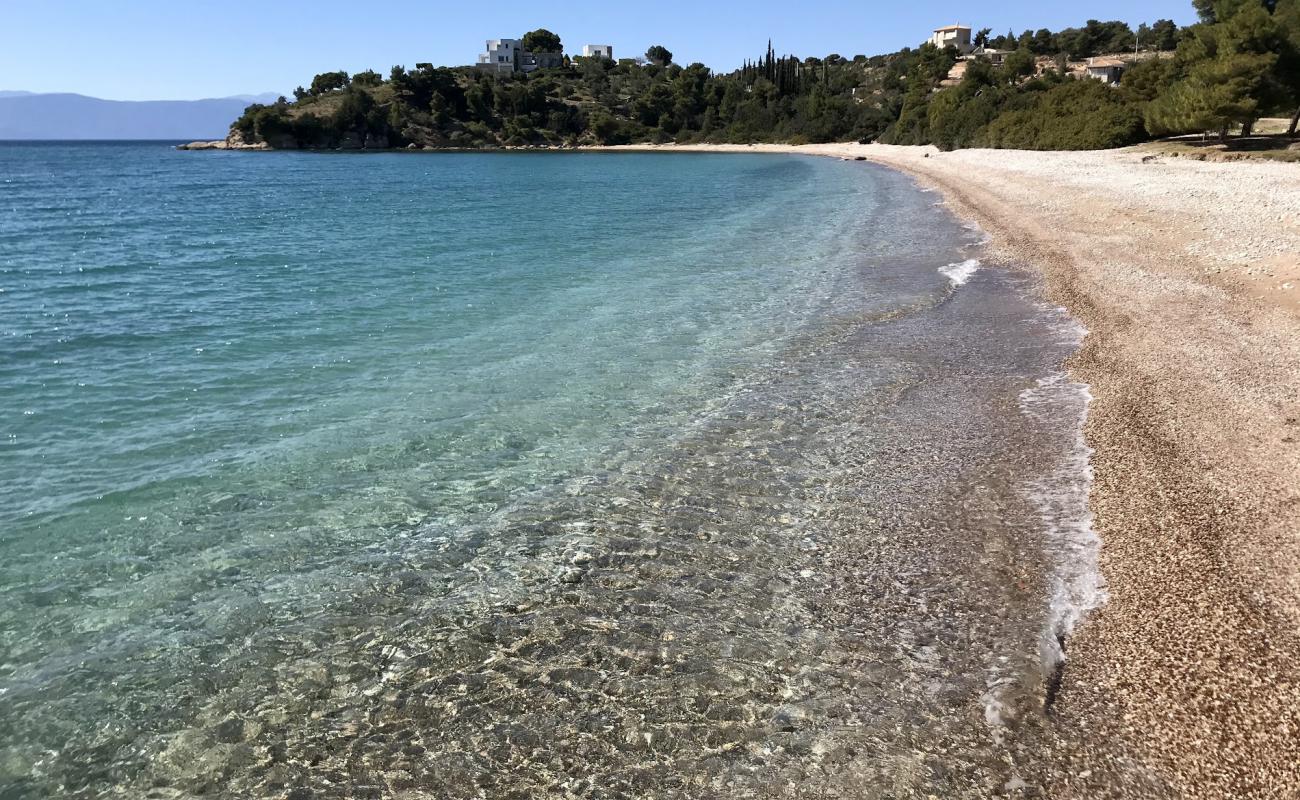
(508,56)
(534,61)
(989,54)
(957,36)
(958,72)
(605,51)
(502,56)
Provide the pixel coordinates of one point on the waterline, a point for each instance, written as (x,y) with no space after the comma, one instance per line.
(366,487)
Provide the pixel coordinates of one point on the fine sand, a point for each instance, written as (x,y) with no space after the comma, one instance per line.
(1187,275)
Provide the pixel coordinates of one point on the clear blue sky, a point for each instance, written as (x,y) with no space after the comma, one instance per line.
(173,49)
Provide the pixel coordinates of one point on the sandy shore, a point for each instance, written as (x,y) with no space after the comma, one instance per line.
(1187,275)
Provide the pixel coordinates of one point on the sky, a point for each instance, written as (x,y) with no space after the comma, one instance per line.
(170,50)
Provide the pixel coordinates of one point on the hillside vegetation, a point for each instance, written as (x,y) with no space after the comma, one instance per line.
(1239,63)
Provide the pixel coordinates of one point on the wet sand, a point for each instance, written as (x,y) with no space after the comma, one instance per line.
(1187,275)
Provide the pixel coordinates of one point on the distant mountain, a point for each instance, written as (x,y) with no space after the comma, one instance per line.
(24,115)
(266,98)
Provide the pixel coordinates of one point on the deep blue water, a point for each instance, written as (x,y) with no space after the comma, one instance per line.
(261,414)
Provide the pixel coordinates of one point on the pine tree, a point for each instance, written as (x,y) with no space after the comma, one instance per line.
(1229,75)
(1287,16)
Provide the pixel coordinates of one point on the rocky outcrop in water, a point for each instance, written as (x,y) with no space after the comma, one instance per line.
(234,141)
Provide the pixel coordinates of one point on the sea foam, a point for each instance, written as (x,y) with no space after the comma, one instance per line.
(1061,500)
(961,271)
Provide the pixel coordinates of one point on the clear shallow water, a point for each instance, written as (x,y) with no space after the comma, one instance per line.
(494,474)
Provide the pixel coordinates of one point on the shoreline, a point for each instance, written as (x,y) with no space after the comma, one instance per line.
(759,575)
(1185,275)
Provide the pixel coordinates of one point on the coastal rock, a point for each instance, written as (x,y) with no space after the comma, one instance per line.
(234,141)
(220,145)
(572,575)
(282,142)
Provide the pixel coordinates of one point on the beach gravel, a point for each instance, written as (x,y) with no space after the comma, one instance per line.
(1184,273)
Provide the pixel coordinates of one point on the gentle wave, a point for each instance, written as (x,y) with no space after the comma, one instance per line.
(961,272)
(1061,498)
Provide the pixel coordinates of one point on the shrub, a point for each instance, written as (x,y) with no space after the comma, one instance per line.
(1073,115)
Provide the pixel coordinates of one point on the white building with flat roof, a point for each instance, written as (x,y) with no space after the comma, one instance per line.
(503,55)
(957,36)
(506,56)
(598,51)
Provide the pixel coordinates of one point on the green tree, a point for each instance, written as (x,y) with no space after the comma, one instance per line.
(327,82)
(1224,10)
(479,99)
(1228,75)
(1044,43)
(929,66)
(353,113)
(656,101)
(659,55)
(1071,115)
(1164,35)
(1147,80)
(955,117)
(1281,87)
(367,78)
(1018,64)
(607,129)
(1287,16)
(542,41)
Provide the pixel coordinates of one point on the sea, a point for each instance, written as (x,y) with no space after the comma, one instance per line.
(510,475)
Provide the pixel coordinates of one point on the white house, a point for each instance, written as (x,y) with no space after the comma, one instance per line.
(1106,70)
(509,56)
(503,55)
(598,51)
(957,36)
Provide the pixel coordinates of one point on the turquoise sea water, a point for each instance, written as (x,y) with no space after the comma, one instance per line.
(480,474)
